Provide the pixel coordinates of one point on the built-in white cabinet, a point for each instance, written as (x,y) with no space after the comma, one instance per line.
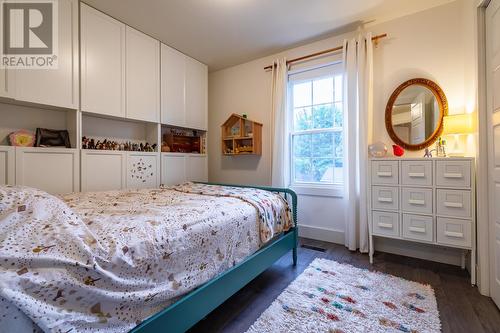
(173,80)
(143,170)
(184,89)
(196,94)
(114,170)
(55,170)
(102,63)
(103,170)
(7,163)
(5,90)
(197,168)
(142,76)
(177,168)
(173,169)
(55,87)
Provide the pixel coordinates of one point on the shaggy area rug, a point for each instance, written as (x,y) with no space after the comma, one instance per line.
(338,298)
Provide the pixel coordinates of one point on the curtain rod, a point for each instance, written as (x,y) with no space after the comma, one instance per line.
(313,55)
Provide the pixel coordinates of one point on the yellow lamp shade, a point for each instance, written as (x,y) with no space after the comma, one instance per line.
(459,124)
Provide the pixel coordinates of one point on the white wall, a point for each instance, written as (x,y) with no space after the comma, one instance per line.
(436,44)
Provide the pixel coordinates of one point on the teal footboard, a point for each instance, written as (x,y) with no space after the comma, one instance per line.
(193,307)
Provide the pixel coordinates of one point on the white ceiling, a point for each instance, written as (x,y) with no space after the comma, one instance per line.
(223,33)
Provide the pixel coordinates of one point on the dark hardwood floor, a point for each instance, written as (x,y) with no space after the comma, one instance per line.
(461,307)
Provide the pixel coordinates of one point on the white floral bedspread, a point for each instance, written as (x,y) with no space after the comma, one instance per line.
(105,261)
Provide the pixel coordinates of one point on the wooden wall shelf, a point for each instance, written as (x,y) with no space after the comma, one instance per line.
(241,136)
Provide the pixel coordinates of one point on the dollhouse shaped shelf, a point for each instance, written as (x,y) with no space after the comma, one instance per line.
(241,136)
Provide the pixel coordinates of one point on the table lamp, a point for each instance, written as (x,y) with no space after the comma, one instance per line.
(457,125)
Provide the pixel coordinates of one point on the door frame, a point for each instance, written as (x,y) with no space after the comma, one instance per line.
(483,225)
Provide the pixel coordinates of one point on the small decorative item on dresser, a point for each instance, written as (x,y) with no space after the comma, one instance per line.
(22,138)
(377,149)
(398,150)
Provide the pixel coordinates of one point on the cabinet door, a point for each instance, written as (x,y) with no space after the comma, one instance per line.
(143,76)
(7,155)
(197,168)
(55,87)
(54,170)
(102,63)
(142,170)
(196,94)
(5,86)
(173,76)
(103,170)
(173,169)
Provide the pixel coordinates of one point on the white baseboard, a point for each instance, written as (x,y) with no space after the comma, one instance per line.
(429,252)
(322,234)
(444,255)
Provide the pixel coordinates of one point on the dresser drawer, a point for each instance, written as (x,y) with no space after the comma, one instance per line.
(418,227)
(385,172)
(385,197)
(416,173)
(454,232)
(385,224)
(454,203)
(416,200)
(453,173)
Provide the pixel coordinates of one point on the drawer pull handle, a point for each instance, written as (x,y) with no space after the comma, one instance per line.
(385,225)
(453,204)
(389,200)
(453,175)
(454,234)
(416,174)
(416,202)
(420,230)
(384,174)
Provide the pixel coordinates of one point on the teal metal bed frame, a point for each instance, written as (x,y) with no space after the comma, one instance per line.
(193,307)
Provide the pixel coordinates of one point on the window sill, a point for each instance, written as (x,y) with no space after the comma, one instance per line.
(336,191)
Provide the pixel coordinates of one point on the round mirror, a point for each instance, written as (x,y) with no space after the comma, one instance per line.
(414,114)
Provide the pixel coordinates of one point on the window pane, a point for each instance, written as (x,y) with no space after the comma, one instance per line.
(338,115)
(338,171)
(323,116)
(322,145)
(323,170)
(302,145)
(339,144)
(323,91)
(303,169)
(338,88)
(302,118)
(302,94)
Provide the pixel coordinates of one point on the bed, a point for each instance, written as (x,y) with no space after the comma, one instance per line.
(143,260)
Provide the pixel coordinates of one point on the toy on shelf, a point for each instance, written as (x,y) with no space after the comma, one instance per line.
(182,140)
(91,143)
(22,138)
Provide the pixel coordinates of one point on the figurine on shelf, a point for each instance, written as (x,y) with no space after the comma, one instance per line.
(428,153)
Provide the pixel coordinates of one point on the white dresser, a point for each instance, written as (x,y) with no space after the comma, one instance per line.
(427,200)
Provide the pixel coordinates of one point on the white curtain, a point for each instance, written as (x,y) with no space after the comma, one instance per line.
(279,166)
(358,103)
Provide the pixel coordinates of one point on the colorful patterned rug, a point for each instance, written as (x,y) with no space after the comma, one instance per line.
(338,298)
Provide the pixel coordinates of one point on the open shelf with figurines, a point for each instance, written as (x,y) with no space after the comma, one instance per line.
(182,140)
(119,153)
(241,136)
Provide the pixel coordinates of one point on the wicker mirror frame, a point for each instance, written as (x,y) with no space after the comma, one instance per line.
(443,111)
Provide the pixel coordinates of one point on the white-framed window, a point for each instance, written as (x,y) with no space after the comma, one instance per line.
(316,120)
